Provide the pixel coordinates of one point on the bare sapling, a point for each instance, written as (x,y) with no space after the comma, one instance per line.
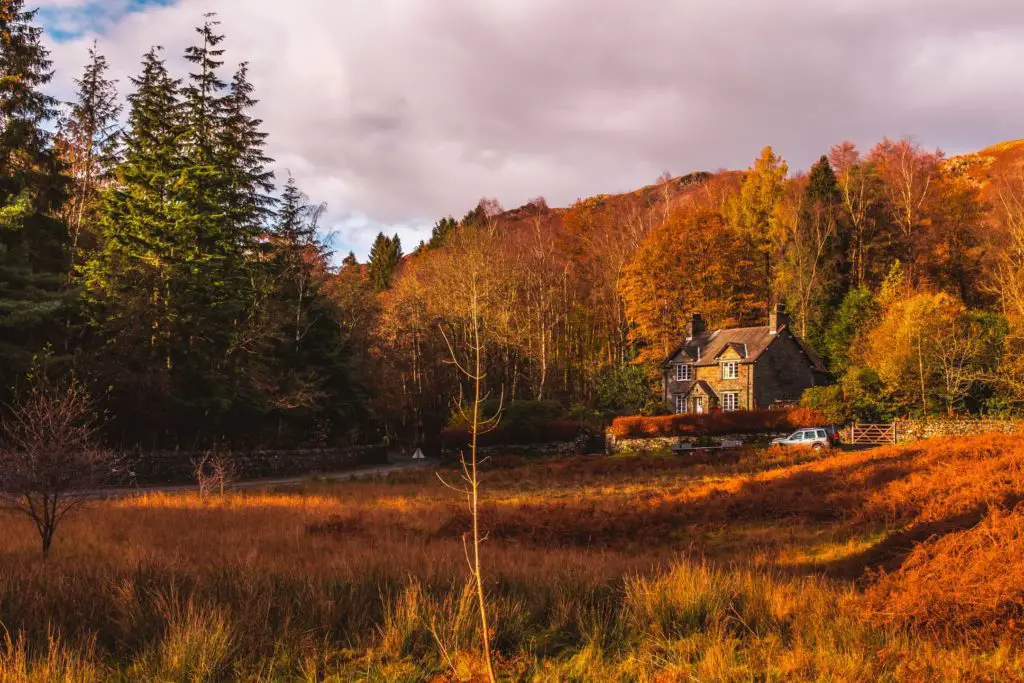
(213,473)
(470,368)
(50,460)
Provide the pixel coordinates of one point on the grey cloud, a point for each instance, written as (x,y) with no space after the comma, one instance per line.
(401,111)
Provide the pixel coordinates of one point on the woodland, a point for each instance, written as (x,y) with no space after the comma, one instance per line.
(147,250)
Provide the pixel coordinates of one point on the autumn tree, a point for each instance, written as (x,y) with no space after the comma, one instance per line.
(909,178)
(754,212)
(692,262)
(928,350)
(1006,278)
(860,195)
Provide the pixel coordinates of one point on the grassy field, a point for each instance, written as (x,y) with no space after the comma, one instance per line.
(899,563)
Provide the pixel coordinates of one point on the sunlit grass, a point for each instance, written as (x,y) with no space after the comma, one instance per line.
(654,568)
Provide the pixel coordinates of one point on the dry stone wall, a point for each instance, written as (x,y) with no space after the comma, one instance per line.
(913,430)
(175,467)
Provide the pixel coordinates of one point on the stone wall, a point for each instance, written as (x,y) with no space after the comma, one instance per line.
(663,443)
(175,467)
(912,430)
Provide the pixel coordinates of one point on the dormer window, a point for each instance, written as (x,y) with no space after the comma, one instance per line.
(730,369)
(683,372)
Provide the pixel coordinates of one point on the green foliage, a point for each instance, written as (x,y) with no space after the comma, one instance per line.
(33,240)
(442,230)
(88,139)
(385,255)
(858,396)
(858,309)
(623,390)
(213,312)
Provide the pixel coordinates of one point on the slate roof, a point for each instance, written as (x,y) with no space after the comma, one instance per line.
(705,349)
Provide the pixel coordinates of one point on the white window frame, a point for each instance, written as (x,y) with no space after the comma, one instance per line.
(680,403)
(730,369)
(732,397)
(684,372)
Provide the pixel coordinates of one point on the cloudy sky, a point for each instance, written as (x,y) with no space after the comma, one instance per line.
(397,112)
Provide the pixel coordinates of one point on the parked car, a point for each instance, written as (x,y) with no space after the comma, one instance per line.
(815,437)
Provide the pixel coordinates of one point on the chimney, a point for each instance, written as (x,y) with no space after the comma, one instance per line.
(696,326)
(778,318)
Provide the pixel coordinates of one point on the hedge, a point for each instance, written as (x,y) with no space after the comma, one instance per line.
(555,430)
(715,424)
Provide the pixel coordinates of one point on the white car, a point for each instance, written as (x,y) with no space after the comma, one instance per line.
(815,437)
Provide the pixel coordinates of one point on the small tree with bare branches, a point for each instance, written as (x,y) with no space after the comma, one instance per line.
(49,457)
(471,369)
(213,472)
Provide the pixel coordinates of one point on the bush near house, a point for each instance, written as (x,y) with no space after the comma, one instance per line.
(711,424)
(520,422)
(515,434)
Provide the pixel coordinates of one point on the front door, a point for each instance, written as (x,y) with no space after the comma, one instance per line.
(698,404)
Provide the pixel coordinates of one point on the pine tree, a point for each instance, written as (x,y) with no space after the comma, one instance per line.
(133,282)
(443,229)
(33,241)
(385,255)
(297,253)
(250,182)
(89,141)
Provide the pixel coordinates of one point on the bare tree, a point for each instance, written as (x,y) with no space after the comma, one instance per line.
(50,459)
(858,187)
(472,370)
(957,349)
(213,472)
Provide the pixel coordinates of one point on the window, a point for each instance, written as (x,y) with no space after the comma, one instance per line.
(730,369)
(730,401)
(680,403)
(683,373)
(821,434)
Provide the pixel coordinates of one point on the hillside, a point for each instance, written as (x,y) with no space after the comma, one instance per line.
(989,164)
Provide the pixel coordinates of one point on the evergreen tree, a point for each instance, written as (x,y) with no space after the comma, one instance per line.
(33,241)
(297,252)
(89,140)
(441,232)
(810,279)
(250,182)
(133,283)
(385,255)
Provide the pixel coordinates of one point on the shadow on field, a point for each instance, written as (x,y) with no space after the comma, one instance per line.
(817,494)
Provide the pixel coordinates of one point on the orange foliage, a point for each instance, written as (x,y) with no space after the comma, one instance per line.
(711,424)
(964,586)
(691,262)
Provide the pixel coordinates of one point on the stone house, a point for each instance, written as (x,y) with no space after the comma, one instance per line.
(743,368)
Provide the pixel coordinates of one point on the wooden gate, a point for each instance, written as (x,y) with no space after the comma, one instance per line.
(873,433)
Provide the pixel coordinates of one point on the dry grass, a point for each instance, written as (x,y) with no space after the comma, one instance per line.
(638,568)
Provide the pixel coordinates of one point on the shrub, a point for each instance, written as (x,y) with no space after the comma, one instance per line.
(712,424)
(515,433)
(623,389)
